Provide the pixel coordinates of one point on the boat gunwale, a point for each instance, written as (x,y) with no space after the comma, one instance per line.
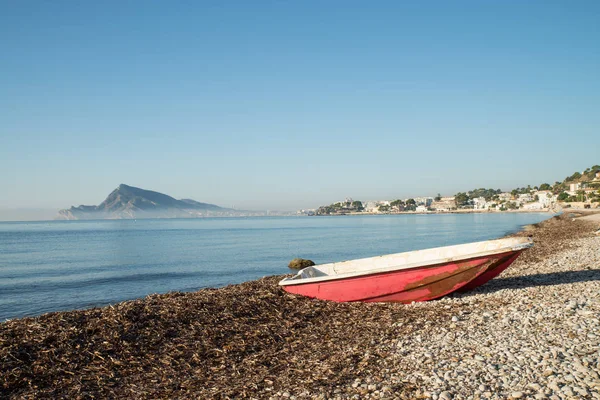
(522,244)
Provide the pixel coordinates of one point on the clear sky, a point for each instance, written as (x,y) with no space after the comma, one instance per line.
(293,104)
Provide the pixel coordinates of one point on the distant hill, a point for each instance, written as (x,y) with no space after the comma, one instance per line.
(128,202)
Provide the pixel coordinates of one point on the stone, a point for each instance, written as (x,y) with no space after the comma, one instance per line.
(299,263)
(567,390)
(445,395)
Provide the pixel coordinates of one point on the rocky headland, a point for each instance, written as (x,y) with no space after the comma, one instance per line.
(128,202)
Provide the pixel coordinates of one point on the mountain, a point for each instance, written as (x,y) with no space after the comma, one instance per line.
(128,202)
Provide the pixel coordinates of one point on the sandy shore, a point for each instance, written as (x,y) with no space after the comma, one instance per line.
(533,332)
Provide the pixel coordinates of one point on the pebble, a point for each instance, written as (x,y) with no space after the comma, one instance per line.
(536,339)
(445,395)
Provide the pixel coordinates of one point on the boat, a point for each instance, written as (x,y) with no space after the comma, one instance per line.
(408,277)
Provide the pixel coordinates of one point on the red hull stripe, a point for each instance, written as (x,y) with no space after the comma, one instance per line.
(492,272)
(415,284)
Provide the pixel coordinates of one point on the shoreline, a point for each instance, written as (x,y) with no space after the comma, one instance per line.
(541,211)
(254,340)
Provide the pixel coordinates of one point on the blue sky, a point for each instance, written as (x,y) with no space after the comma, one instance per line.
(293,104)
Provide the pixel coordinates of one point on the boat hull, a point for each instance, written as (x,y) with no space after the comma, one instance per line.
(492,271)
(407,285)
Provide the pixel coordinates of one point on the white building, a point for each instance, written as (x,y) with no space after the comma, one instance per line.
(545,198)
(443,206)
(426,201)
(525,198)
(574,187)
(306,212)
(533,206)
(421,209)
(370,206)
(505,196)
(479,203)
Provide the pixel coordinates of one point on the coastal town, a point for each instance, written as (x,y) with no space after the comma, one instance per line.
(580,190)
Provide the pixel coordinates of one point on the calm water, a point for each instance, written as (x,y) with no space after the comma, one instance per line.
(63,265)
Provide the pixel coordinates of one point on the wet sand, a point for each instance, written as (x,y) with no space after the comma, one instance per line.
(532,332)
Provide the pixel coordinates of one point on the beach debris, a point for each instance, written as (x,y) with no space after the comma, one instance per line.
(299,263)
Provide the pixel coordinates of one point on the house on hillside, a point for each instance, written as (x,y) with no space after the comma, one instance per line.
(505,196)
(423,201)
(370,206)
(525,198)
(545,198)
(421,209)
(574,187)
(479,203)
(443,206)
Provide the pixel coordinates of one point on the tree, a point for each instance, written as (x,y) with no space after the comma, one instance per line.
(573,177)
(383,208)
(591,172)
(545,186)
(563,196)
(398,205)
(438,197)
(487,194)
(324,210)
(411,202)
(461,199)
(358,205)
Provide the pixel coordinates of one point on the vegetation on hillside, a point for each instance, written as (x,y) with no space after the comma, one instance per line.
(342,207)
(517,196)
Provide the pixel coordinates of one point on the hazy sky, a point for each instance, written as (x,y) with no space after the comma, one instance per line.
(293,104)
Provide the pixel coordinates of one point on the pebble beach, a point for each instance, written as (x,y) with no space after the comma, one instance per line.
(533,332)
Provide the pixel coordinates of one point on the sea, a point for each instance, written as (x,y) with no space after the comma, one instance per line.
(51,266)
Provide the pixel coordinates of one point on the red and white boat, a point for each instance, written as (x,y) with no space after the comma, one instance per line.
(406,277)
